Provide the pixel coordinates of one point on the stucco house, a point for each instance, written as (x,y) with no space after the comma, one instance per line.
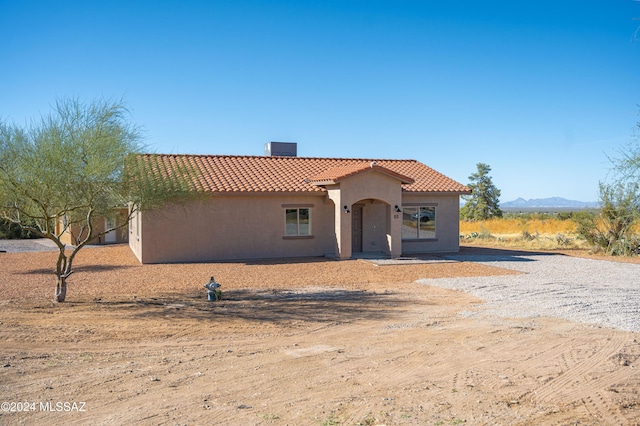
(272,206)
(70,234)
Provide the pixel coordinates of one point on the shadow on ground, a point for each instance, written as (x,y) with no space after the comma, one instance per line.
(325,306)
(489,254)
(83,268)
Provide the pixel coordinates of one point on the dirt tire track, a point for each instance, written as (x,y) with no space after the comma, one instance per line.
(543,358)
(568,384)
(601,409)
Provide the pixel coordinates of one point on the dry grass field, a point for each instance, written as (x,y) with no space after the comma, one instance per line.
(531,233)
(514,225)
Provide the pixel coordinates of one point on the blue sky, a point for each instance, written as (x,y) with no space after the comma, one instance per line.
(541,91)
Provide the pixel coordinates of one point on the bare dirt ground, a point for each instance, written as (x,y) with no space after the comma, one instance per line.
(307,342)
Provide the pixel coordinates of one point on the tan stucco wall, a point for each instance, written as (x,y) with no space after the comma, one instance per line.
(447,224)
(121,234)
(231,227)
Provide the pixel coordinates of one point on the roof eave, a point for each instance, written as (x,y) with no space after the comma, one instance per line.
(436,192)
(324,182)
(319,192)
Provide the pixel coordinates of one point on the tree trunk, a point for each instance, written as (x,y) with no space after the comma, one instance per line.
(61,290)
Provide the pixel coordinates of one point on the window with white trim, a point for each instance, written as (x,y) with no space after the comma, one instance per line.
(297,222)
(418,222)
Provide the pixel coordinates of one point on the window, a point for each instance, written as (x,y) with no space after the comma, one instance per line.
(297,222)
(418,222)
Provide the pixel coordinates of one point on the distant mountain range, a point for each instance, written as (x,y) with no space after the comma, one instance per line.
(553,202)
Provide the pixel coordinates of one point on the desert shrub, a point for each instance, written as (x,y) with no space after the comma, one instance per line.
(564,215)
(613,228)
(526,236)
(562,239)
(11,231)
(627,247)
(484,234)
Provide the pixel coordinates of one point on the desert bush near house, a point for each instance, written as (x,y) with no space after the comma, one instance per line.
(615,229)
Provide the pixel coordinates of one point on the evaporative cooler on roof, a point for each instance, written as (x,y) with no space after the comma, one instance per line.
(281,149)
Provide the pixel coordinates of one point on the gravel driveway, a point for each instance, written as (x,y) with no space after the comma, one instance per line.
(553,285)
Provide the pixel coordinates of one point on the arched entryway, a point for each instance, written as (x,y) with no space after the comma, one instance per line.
(370,227)
(363,202)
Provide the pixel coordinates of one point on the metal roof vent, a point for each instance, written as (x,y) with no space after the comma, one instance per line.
(281,149)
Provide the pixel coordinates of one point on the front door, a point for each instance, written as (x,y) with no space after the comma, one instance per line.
(109,237)
(356,228)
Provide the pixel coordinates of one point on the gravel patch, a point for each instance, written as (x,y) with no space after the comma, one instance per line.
(577,289)
(21,246)
(33,245)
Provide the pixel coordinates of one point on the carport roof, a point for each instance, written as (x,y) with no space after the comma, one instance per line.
(263,174)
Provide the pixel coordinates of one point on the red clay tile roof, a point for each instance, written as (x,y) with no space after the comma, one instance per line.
(336,174)
(229,173)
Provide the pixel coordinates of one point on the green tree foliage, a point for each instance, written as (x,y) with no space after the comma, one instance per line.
(67,170)
(9,231)
(612,229)
(626,165)
(484,201)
